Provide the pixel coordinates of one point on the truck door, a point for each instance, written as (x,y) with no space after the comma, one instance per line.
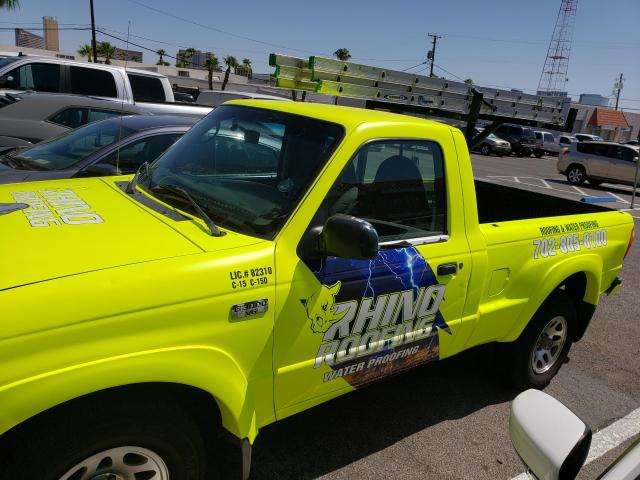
(349,322)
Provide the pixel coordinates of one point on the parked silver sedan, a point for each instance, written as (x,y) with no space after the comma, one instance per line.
(597,162)
(27,118)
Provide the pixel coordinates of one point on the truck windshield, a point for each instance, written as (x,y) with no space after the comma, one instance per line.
(246,167)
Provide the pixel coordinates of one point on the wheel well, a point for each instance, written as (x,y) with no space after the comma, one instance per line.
(199,404)
(575,287)
(576,165)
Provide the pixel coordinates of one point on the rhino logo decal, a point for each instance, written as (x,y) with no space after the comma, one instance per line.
(320,308)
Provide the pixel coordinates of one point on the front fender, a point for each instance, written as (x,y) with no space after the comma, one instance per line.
(203,367)
(589,264)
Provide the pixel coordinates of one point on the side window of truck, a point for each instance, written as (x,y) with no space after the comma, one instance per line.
(41,77)
(398,186)
(92,81)
(146,89)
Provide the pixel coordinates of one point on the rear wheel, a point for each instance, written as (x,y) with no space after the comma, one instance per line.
(537,355)
(485,150)
(132,440)
(539,155)
(576,175)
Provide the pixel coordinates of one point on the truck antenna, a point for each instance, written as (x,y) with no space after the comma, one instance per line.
(126,58)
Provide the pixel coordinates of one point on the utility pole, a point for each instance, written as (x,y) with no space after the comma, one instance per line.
(617,88)
(94,46)
(432,54)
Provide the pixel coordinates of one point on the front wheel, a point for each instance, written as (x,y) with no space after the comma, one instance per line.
(485,150)
(576,175)
(537,355)
(137,439)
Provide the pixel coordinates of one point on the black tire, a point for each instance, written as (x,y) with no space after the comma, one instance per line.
(51,446)
(485,150)
(594,183)
(539,155)
(519,360)
(576,174)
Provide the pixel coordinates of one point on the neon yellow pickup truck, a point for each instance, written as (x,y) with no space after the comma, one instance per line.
(278,255)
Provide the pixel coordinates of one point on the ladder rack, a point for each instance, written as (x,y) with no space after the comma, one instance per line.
(409,93)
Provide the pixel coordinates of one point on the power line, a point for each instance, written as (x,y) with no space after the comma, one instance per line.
(452,74)
(215,29)
(411,68)
(134,44)
(541,42)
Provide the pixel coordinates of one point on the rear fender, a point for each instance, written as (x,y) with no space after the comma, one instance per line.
(589,264)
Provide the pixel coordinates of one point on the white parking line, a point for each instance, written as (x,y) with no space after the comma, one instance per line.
(620,199)
(607,439)
(580,191)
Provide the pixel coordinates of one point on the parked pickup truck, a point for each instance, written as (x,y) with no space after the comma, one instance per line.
(60,75)
(276,256)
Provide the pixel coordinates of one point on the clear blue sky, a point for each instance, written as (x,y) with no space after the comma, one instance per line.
(499,42)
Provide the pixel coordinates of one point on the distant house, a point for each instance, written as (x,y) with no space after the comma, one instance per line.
(605,122)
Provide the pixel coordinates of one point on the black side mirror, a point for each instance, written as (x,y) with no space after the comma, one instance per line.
(342,236)
(100,170)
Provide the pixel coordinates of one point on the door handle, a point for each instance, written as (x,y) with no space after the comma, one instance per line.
(447,268)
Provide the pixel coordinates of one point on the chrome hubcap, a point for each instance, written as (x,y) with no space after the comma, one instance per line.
(575,175)
(120,463)
(549,345)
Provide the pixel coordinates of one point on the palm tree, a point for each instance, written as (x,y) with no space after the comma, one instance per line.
(211,64)
(9,4)
(188,55)
(342,54)
(181,61)
(246,66)
(469,81)
(231,62)
(85,51)
(107,51)
(161,53)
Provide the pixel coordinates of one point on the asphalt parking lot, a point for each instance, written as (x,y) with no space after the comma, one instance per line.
(449,420)
(541,175)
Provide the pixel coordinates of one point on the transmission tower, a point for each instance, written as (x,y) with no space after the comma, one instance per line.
(554,73)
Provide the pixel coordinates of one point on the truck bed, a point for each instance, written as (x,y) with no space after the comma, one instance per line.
(500,203)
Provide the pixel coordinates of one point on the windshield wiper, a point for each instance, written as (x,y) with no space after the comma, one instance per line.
(131,186)
(23,162)
(213,228)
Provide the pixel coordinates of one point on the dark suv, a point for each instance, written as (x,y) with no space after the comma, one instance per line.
(522,139)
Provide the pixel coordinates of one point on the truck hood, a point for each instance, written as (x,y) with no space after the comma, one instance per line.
(82,225)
